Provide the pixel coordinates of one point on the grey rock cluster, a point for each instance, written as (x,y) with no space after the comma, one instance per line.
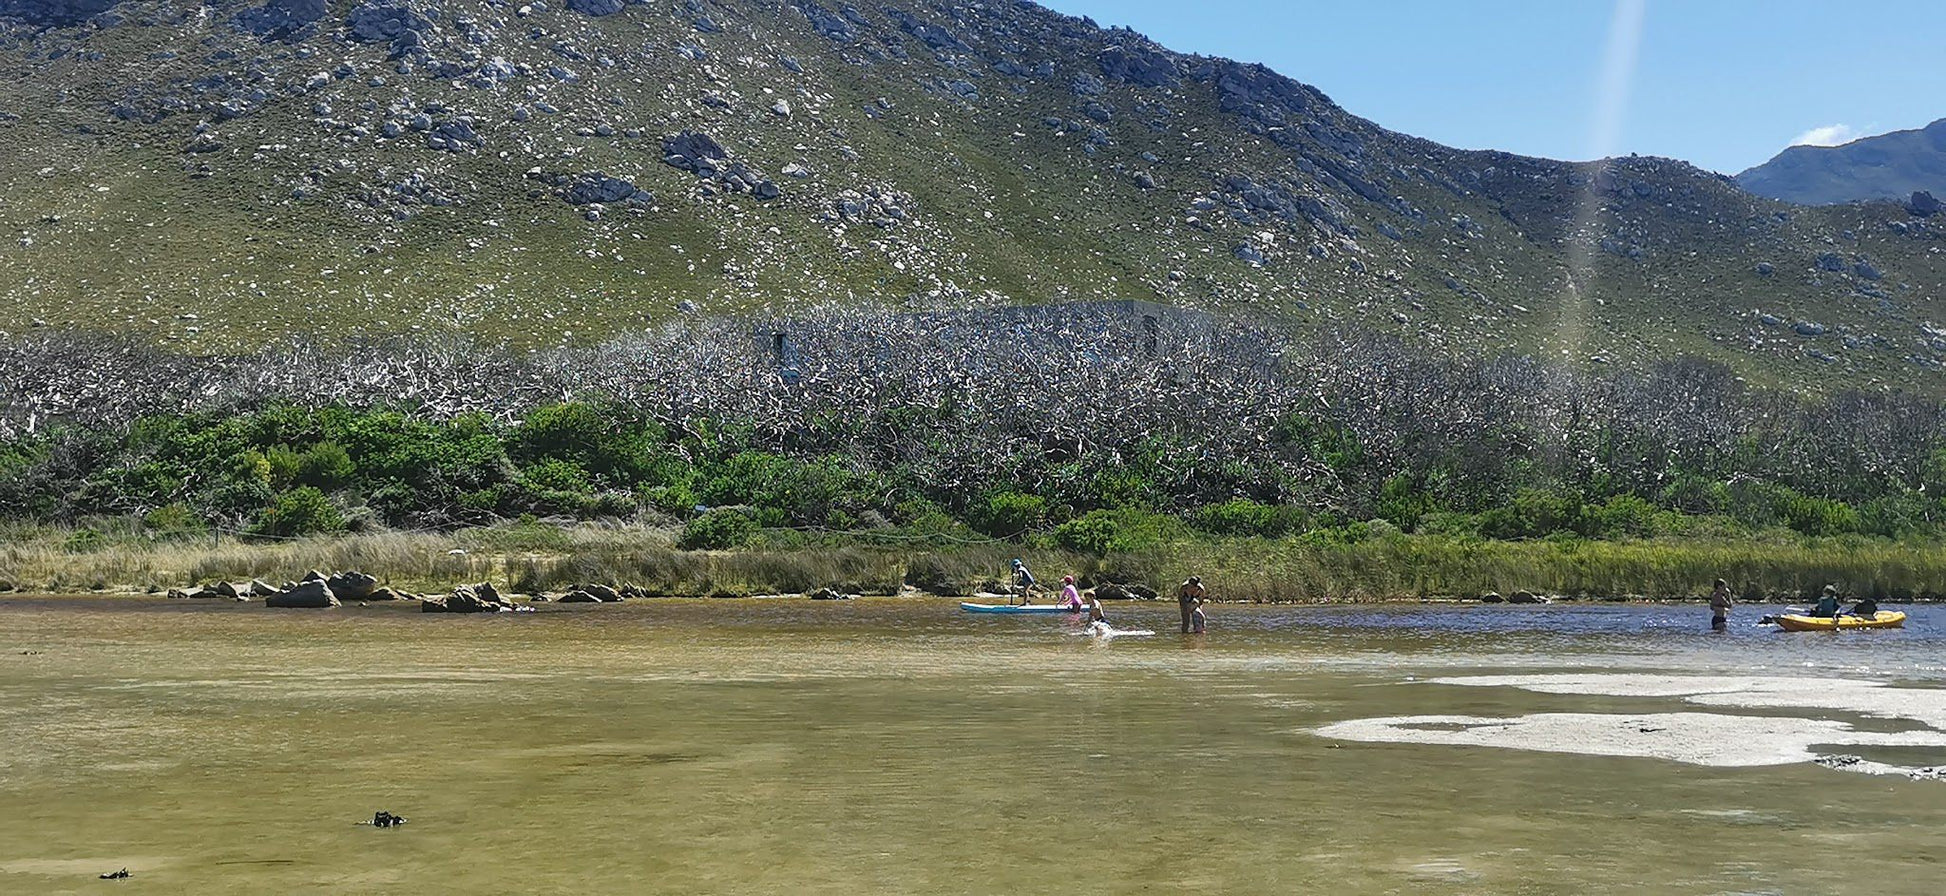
(281,19)
(878,206)
(699,154)
(837,27)
(54,12)
(1140,66)
(595,187)
(388,22)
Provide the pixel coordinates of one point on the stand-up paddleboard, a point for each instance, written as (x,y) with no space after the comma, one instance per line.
(1028,609)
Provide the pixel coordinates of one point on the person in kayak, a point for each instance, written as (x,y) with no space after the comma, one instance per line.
(1190,599)
(1023,580)
(1827,603)
(1866,607)
(1720,602)
(1070,595)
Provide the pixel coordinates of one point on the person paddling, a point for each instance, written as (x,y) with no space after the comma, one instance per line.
(1866,608)
(1827,607)
(1720,602)
(1023,580)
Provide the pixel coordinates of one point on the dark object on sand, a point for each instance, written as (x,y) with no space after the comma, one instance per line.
(116,875)
(384,819)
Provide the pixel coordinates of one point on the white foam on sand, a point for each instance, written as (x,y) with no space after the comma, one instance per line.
(1868,698)
(1692,737)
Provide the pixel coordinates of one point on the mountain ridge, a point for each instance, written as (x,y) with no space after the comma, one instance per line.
(225,174)
(1889,166)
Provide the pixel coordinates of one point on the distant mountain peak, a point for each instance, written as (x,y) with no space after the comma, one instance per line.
(1884,166)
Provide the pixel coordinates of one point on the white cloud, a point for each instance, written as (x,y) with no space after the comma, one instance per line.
(1829,135)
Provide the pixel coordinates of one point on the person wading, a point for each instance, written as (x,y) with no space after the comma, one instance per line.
(1190,599)
(1720,603)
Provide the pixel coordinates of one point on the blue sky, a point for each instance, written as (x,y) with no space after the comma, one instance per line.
(1721,83)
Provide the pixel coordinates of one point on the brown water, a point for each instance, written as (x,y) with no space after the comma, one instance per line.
(886,746)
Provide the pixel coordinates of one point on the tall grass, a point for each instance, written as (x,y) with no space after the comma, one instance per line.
(1774,566)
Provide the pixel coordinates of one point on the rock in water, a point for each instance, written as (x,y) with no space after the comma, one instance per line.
(476,598)
(602,593)
(307,595)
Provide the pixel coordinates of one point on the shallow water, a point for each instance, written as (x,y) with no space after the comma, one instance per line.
(901,746)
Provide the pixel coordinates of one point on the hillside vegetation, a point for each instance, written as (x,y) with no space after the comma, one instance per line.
(225,176)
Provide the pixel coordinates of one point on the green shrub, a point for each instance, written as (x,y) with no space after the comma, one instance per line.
(174,519)
(558,475)
(1241,516)
(1006,514)
(301,511)
(1621,516)
(719,529)
(1531,514)
(1104,531)
(326,465)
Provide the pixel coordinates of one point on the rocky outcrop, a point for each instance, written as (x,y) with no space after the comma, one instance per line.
(829,594)
(595,187)
(595,7)
(693,151)
(603,593)
(478,598)
(827,23)
(1922,204)
(54,12)
(1139,66)
(388,22)
(311,594)
(699,154)
(352,585)
(281,19)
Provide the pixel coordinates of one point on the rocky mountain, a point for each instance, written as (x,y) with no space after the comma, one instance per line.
(218,175)
(1888,166)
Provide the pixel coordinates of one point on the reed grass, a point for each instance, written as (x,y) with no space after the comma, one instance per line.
(1767,566)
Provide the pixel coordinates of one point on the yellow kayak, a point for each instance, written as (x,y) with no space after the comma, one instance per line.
(1881,619)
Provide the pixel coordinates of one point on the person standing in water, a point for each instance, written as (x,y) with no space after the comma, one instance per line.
(1070,595)
(1720,602)
(1190,599)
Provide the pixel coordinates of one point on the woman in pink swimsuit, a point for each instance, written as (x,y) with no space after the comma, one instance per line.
(1070,595)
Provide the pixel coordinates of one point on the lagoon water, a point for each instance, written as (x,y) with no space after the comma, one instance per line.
(900,746)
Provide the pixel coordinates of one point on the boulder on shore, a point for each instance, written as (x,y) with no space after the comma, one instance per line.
(1525,597)
(578,596)
(260,588)
(601,593)
(308,595)
(476,598)
(829,594)
(352,585)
